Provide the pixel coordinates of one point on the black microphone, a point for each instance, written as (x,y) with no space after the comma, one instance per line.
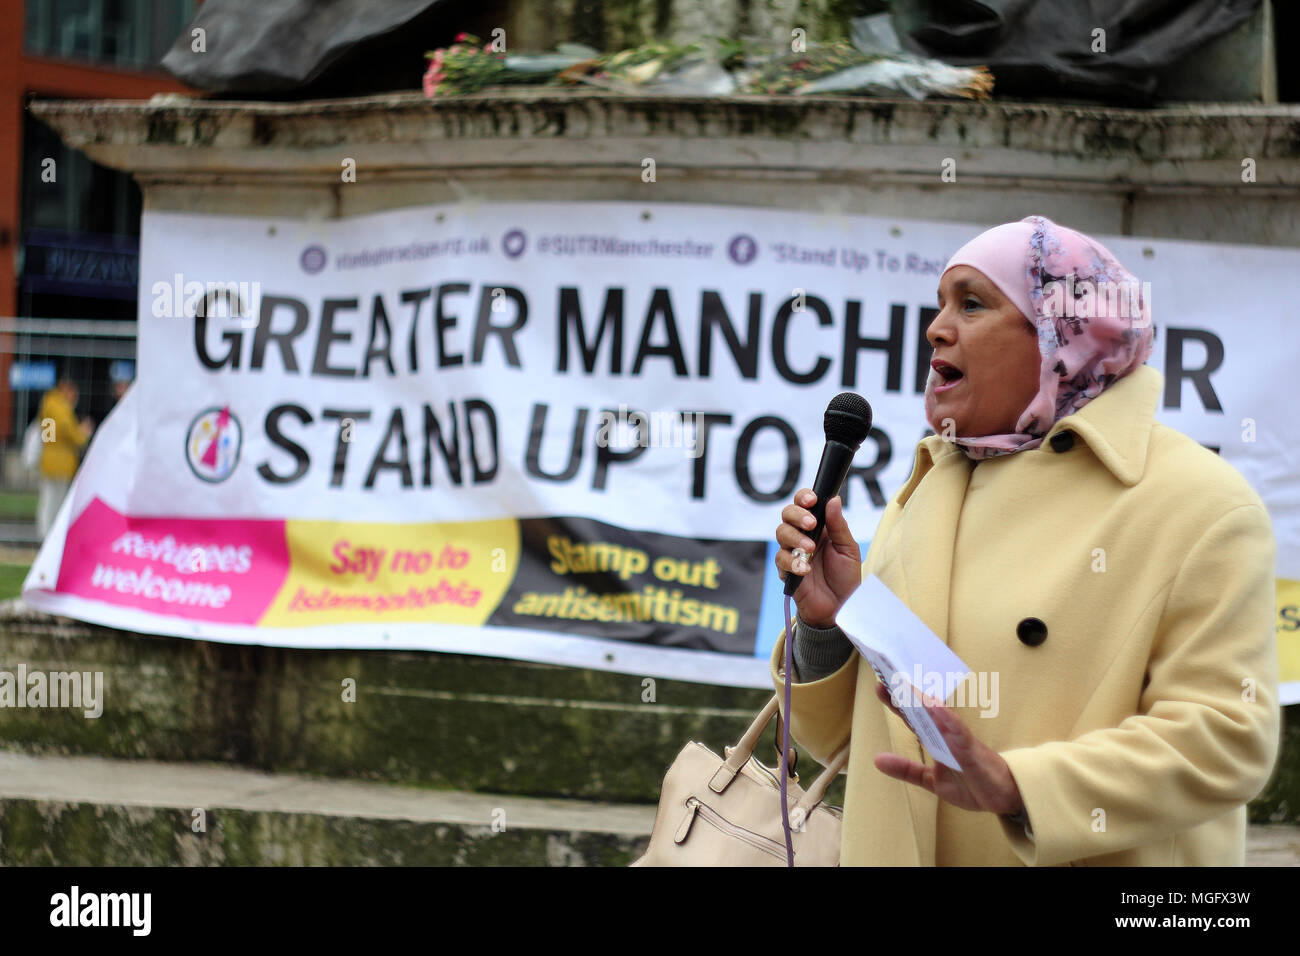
(848,421)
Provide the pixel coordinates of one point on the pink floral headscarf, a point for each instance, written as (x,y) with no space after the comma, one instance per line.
(1093,320)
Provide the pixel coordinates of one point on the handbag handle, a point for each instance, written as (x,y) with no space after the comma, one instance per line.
(739,755)
(814,794)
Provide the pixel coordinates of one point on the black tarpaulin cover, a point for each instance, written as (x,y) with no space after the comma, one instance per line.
(293,48)
(1041,48)
(1036,48)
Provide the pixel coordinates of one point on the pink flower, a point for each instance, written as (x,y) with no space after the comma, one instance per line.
(432,77)
(462,37)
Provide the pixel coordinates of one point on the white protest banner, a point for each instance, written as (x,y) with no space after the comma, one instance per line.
(563,431)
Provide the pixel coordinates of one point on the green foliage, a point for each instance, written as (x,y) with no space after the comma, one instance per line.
(11,580)
(786,73)
(17,505)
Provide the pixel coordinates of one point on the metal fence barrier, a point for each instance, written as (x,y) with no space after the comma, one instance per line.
(94,354)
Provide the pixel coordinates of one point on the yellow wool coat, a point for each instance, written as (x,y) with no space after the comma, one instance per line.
(59,457)
(1148,716)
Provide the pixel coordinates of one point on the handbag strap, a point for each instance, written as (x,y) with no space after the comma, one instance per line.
(739,755)
(814,794)
(787,680)
(817,791)
(779,736)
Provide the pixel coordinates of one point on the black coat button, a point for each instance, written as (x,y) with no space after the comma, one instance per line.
(1062,441)
(1031,631)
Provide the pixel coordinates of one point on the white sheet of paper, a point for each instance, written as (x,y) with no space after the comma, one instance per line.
(905,654)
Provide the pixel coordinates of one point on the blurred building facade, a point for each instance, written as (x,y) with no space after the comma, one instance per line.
(69,227)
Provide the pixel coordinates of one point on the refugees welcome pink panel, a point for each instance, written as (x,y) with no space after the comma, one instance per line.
(226,571)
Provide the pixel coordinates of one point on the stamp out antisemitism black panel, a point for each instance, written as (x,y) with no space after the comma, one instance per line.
(585,577)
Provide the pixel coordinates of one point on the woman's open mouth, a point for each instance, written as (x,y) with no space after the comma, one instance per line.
(952,376)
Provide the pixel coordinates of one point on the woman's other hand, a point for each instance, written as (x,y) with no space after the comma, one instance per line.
(985,781)
(831,572)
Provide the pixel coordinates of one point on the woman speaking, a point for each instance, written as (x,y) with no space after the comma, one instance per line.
(1115,577)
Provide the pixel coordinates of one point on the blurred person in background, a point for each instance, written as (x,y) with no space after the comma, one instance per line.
(120,385)
(63,437)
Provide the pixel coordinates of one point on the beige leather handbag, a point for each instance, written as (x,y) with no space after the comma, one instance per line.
(727,812)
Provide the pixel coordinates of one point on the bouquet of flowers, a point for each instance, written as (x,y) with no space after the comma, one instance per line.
(839,67)
(467,67)
(715,67)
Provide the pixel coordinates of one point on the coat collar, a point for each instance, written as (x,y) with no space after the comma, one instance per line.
(1116,426)
(1117,423)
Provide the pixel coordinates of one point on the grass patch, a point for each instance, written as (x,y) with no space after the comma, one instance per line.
(17,504)
(11,580)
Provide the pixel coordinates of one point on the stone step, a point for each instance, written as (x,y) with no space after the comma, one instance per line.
(1276,844)
(92,811)
(444,720)
(19,534)
(456,722)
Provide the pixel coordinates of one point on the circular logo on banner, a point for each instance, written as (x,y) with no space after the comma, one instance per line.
(212,444)
(742,249)
(312,260)
(513,242)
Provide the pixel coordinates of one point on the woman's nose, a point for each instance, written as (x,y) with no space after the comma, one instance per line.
(940,329)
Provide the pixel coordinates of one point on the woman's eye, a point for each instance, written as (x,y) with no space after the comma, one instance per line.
(970,303)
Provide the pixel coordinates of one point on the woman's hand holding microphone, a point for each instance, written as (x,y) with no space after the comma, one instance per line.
(832,568)
(831,573)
